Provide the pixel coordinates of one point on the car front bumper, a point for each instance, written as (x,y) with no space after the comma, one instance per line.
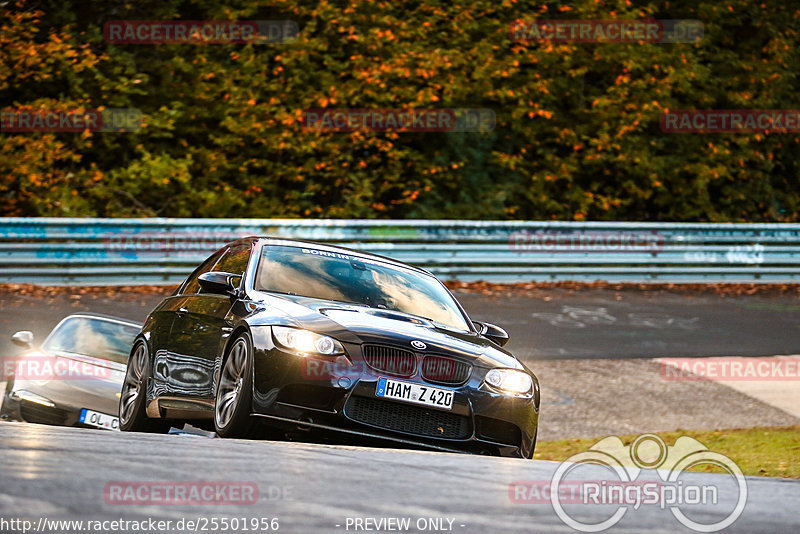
(17,409)
(339,395)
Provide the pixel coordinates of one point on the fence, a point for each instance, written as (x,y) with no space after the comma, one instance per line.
(55,251)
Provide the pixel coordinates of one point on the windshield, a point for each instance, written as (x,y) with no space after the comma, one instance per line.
(107,340)
(326,275)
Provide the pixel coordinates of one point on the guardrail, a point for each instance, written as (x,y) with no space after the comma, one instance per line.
(56,251)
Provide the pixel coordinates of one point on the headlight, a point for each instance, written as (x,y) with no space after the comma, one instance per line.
(305,342)
(509,381)
(21,394)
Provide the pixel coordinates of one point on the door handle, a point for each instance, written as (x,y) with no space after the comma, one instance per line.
(182,311)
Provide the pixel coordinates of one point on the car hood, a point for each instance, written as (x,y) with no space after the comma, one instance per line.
(351,323)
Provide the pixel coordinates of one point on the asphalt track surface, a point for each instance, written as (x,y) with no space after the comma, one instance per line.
(603,323)
(61,473)
(573,340)
(552,324)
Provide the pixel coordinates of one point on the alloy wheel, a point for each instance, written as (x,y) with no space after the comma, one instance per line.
(132,387)
(230,383)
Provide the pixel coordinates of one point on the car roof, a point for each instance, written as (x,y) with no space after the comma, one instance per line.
(333,248)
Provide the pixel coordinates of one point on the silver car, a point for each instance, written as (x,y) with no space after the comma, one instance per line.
(75,377)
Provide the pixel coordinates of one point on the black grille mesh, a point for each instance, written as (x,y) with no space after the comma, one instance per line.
(442,370)
(407,418)
(390,360)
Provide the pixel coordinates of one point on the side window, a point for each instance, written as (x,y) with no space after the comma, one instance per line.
(235,260)
(191,285)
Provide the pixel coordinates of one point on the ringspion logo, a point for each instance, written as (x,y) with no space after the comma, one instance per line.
(647,472)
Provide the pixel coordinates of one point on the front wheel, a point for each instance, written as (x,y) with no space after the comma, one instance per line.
(235,391)
(132,415)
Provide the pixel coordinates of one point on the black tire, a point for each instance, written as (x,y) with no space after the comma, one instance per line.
(234,398)
(132,415)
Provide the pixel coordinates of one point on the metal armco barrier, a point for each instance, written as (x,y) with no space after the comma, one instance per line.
(53,251)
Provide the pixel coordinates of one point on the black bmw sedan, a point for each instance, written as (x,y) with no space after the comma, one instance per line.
(289,336)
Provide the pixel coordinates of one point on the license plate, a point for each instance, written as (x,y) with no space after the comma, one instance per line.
(414,393)
(100,420)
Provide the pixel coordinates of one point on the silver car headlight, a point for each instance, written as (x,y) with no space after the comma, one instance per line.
(21,394)
(509,381)
(305,342)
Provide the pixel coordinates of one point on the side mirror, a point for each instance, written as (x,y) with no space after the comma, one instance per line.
(23,338)
(492,332)
(217,282)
